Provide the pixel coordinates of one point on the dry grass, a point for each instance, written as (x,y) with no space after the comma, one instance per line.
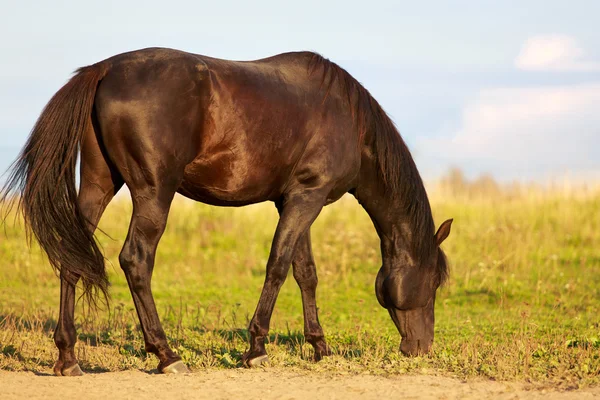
(522,302)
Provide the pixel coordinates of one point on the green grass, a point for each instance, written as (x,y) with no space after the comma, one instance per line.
(522,302)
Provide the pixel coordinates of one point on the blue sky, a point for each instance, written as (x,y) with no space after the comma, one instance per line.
(510,88)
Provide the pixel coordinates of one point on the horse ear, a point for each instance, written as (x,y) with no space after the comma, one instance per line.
(443,231)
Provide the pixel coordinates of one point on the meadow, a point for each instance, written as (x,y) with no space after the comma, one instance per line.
(522,302)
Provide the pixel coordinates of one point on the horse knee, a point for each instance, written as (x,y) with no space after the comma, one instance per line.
(306,276)
(278,275)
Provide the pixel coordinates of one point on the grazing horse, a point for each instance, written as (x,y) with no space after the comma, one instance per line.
(294,129)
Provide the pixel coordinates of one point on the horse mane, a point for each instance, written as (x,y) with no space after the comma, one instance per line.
(396,166)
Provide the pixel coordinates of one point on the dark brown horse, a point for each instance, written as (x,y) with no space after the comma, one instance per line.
(294,129)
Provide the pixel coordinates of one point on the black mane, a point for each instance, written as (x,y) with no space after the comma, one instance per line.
(397,168)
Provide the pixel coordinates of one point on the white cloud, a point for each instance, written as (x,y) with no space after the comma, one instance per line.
(554,53)
(525,132)
(529,132)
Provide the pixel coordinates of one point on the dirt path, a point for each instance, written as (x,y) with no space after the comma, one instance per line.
(264,384)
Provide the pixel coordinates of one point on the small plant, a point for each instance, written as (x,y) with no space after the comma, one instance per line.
(522,303)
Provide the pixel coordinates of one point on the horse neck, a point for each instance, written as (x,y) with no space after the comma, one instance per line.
(387,206)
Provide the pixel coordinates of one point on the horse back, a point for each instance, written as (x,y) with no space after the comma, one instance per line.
(239,132)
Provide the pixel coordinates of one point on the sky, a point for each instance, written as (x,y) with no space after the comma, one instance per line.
(507,88)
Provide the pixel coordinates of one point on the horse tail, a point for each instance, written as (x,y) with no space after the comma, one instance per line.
(44,177)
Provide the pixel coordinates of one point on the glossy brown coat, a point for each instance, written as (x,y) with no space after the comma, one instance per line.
(294,129)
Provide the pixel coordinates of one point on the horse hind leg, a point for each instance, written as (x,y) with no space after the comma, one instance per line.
(152,186)
(150,210)
(99,183)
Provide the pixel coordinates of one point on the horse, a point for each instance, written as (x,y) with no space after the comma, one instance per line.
(295,129)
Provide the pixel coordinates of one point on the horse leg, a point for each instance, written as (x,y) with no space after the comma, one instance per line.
(65,334)
(99,184)
(305,273)
(297,214)
(150,210)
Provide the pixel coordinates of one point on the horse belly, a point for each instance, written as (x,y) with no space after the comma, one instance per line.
(224,181)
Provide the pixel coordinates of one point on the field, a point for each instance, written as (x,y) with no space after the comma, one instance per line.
(522,303)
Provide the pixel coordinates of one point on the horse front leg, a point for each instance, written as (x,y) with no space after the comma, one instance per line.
(305,273)
(298,212)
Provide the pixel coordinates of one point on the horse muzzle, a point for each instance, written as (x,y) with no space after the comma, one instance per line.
(416,328)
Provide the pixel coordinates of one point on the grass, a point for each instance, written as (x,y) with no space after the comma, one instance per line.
(522,302)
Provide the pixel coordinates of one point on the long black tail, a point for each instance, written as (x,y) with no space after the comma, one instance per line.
(44,177)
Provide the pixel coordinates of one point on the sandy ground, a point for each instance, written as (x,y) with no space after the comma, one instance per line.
(264,384)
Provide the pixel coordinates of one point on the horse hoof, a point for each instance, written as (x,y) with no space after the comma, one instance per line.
(319,354)
(258,361)
(74,370)
(178,367)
